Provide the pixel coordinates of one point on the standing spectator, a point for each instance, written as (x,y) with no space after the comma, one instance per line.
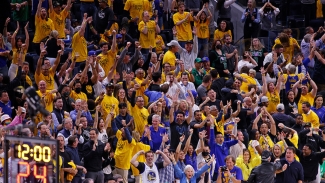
(79,43)
(203,88)
(78,107)
(156,133)
(202,21)
(149,169)
(94,150)
(231,173)
(190,52)
(123,152)
(182,23)
(68,131)
(20,13)
(169,56)
(104,17)
(140,114)
(265,172)
(218,59)
(107,101)
(231,54)
(72,151)
(251,18)
(258,53)
(294,171)
(107,57)
(4,54)
(319,109)
(148,29)
(309,115)
(5,103)
(221,31)
(58,17)
(58,114)
(43,27)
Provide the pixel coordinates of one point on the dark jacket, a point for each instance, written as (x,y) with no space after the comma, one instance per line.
(93,158)
(264,172)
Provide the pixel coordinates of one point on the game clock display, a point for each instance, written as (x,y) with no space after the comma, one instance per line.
(31,160)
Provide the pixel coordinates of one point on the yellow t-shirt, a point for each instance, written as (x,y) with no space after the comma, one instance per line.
(140,117)
(15,55)
(250,80)
(59,21)
(48,79)
(251,148)
(48,99)
(274,100)
(43,29)
(29,81)
(74,95)
(141,90)
(294,140)
(163,77)
(311,117)
(107,61)
(107,105)
(147,40)
(266,142)
(247,168)
(135,7)
(123,152)
(79,44)
(170,58)
(288,51)
(159,46)
(202,29)
(113,27)
(220,125)
(184,30)
(138,147)
(305,98)
(218,34)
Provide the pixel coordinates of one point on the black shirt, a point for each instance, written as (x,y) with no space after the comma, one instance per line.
(102,18)
(177,130)
(141,167)
(66,159)
(93,159)
(310,164)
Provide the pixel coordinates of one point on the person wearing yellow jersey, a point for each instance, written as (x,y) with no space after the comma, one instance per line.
(221,31)
(43,27)
(160,44)
(140,114)
(267,134)
(271,91)
(142,84)
(134,9)
(58,17)
(169,56)
(289,44)
(254,146)
(47,96)
(202,21)
(287,133)
(107,58)
(148,29)
(246,79)
(246,163)
(79,43)
(182,21)
(307,96)
(107,101)
(19,50)
(76,93)
(140,146)
(123,152)
(46,72)
(309,116)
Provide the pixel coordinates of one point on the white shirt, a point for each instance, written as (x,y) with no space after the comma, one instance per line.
(269,58)
(188,58)
(150,175)
(243,63)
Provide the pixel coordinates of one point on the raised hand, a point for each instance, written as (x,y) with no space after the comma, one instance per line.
(26,26)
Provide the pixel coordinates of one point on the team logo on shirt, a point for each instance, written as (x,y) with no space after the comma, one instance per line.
(151,176)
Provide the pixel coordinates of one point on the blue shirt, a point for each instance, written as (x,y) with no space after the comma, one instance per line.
(320,113)
(156,138)
(236,172)
(154,96)
(182,177)
(292,174)
(6,108)
(3,60)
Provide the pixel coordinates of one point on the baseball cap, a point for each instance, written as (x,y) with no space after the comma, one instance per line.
(205,59)
(198,60)
(109,85)
(91,53)
(118,35)
(264,99)
(103,1)
(280,107)
(5,117)
(265,155)
(56,4)
(173,43)
(23,110)
(189,42)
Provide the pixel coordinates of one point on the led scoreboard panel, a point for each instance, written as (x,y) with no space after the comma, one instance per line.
(31,160)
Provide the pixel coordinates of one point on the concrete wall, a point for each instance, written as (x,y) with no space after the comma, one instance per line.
(236,12)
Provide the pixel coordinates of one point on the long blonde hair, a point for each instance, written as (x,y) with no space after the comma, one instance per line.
(2,44)
(259,46)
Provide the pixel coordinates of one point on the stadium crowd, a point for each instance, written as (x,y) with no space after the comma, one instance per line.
(150,91)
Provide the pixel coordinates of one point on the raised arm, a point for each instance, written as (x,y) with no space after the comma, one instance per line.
(57,60)
(51,5)
(166,161)
(313,85)
(264,86)
(13,37)
(40,59)
(96,116)
(188,141)
(273,124)
(134,160)
(83,25)
(179,147)
(39,7)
